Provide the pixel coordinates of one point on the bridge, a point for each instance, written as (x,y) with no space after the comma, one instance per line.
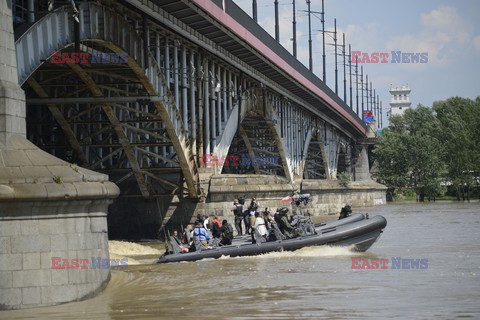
(197,83)
(172,107)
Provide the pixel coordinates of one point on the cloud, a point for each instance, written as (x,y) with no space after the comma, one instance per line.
(363,37)
(447,21)
(476,43)
(443,32)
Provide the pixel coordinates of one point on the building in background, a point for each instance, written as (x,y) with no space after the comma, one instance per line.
(400,100)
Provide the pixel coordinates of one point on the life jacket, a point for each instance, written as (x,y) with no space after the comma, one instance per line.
(239,210)
(217,222)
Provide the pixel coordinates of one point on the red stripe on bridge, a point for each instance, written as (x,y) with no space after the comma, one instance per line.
(243,33)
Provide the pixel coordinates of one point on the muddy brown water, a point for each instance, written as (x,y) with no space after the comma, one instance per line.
(312,283)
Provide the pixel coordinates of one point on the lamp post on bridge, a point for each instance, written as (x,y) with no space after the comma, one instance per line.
(335,54)
(322,20)
(378,111)
(277,30)
(381,115)
(371,99)
(335,44)
(310,60)
(366,83)
(294,25)
(344,71)
(361,87)
(350,73)
(356,81)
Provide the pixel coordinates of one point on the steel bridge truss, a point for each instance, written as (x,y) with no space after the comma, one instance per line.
(149,122)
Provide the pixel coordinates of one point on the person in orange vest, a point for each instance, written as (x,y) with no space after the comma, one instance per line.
(216,227)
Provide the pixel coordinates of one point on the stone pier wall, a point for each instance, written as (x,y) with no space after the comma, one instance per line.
(269,190)
(50,208)
(329,196)
(222,189)
(28,244)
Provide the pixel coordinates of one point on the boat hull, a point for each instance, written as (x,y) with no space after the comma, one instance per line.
(361,233)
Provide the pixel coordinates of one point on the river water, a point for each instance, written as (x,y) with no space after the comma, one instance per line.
(312,283)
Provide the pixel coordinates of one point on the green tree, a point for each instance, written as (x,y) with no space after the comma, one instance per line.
(410,154)
(390,154)
(460,122)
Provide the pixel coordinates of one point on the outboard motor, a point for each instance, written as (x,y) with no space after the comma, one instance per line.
(304,225)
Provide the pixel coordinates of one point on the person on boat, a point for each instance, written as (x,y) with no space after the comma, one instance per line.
(201,235)
(206,222)
(216,227)
(246,221)
(238,213)
(179,242)
(227,233)
(199,219)
(177,238)
(275,233)
(278,215)
(260,230)
(285,226)
(252,209)
(188,235)
(345,212)
(267,215)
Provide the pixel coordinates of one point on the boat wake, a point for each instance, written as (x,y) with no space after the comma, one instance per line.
(134,252)
(306,252)
(131,249)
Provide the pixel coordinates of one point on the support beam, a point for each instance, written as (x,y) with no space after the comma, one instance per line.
(244,136)
(117,126)
(95,100)
(58,115)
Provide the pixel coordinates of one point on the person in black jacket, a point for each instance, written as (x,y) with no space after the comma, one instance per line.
(227,233)
(238,212)
(345,212)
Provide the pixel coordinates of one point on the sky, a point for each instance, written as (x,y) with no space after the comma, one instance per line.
(448,30)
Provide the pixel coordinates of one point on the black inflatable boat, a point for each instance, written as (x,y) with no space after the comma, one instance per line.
(357,230)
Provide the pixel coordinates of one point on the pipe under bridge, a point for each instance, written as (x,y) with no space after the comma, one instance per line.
(172,93)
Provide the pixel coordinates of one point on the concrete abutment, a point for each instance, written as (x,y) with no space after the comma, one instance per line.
(49,208)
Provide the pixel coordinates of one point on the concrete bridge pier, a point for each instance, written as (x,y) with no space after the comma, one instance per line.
(49,209)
